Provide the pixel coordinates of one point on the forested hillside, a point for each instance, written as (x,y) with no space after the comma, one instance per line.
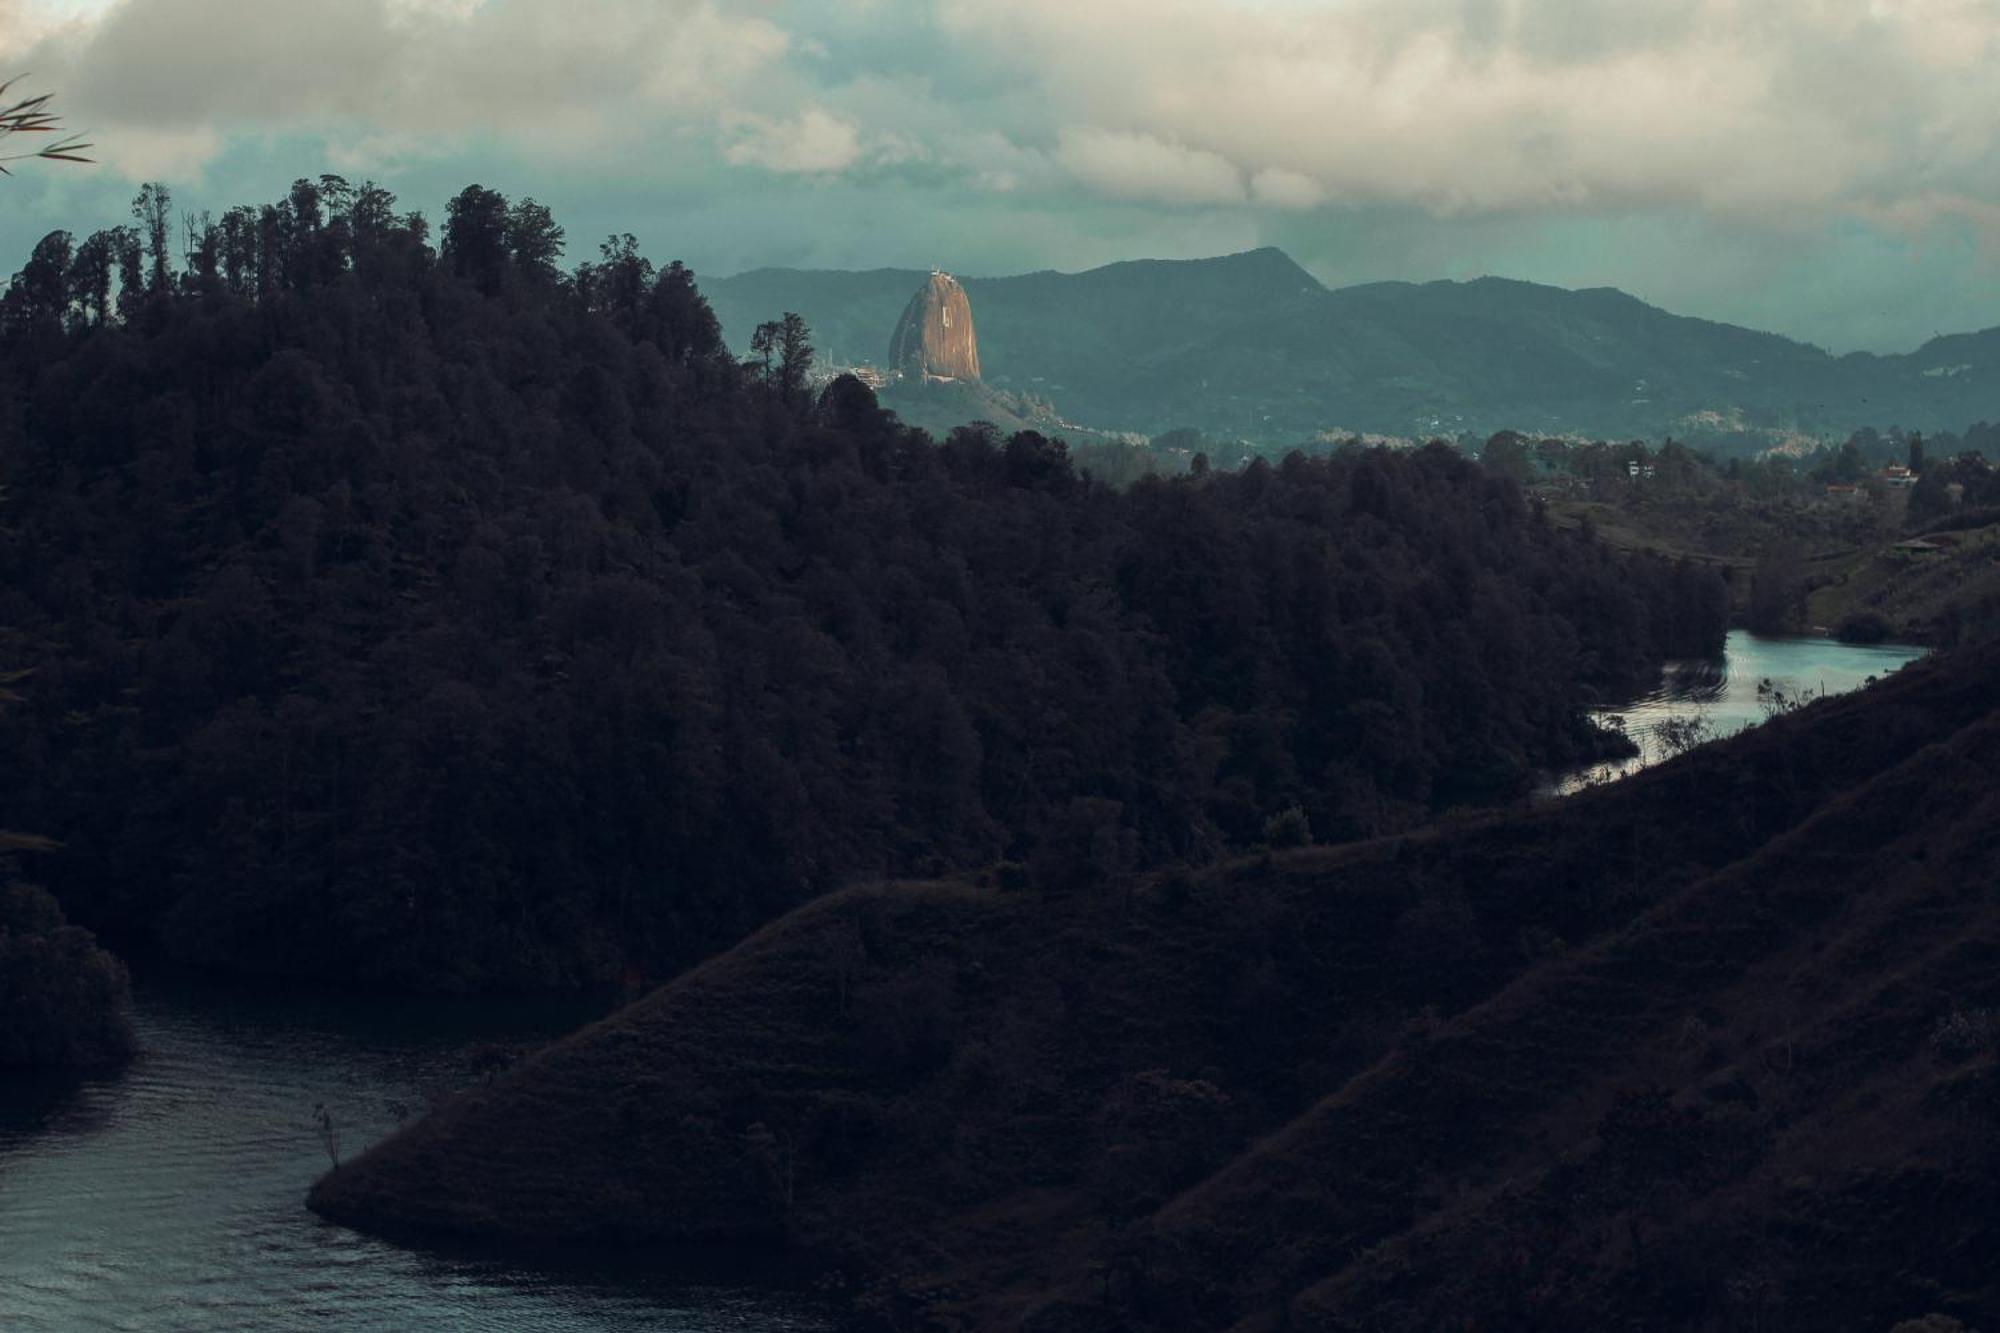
(425,614)
(1716,1047)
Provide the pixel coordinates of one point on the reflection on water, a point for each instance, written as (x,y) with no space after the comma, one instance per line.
(1721,698)
(170,1195)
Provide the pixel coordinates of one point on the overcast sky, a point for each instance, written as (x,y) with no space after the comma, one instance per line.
(1825,168)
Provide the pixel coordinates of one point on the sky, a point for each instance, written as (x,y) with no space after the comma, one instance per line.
(1829,169)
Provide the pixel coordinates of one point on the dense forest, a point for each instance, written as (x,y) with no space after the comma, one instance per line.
(424,614)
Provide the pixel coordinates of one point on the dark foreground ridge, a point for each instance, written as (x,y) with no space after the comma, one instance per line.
(1713,1048)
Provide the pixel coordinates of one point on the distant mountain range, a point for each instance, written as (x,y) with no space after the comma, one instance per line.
(1253,346)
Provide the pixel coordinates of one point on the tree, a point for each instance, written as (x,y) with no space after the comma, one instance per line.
(795,355)
(1845,464)
(1776,588)
(129,254)
(39,298)
(617,285)
(153,210)
(31,115)
(1507,454)
(203,255)
(90,277)
(764,346)
(534,240)
(783,352)
(678,321)
(1916,461)
(475,237)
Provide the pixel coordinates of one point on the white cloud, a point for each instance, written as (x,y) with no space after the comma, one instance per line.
(1755,109)
(1280,188)
(1128,165)
(1767,112)
(150,72)
(813,142)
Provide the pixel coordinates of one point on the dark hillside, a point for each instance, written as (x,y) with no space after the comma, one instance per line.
(1520,1071)
(428,616)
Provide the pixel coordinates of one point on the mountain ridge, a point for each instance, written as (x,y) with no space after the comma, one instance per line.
(1250,345)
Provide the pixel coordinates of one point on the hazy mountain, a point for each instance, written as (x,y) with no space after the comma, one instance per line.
(1252,345)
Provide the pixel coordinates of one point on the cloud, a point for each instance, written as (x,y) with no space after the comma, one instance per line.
(1287,189)
(1502,134)
(549,78)
(1126,165)
(1762,109)
(813,141)
(1766,110)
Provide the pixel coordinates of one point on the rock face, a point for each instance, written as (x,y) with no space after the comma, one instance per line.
(934,338)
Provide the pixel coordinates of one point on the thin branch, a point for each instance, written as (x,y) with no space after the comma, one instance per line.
(30,115)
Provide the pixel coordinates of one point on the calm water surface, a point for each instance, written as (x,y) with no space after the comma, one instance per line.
(170,1195)
(1726,695)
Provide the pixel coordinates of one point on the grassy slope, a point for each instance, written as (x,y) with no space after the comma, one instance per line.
(1851,564)
(1369,1056)
(1931,598)
(1784,1006)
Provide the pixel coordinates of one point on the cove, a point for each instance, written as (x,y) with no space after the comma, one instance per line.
(1736,691)
(169,1195)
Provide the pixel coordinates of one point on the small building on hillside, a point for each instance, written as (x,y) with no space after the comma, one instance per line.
(1898,476)
(1845,491)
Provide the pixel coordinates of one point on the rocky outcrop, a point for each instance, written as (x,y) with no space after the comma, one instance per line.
(934,338)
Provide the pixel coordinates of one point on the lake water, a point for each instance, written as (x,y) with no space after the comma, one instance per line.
(170,1195)
(1723,697)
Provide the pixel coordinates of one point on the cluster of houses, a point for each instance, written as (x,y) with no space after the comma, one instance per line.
(1895,477)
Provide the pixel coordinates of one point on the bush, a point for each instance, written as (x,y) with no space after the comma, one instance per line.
(1932,1323)
(1288,828)
(1865,627)
(1965,1032)
(64,998)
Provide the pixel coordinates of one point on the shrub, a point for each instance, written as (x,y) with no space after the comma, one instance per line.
(1965,1032)
(1865,627)
(1288,828)
(64,998)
